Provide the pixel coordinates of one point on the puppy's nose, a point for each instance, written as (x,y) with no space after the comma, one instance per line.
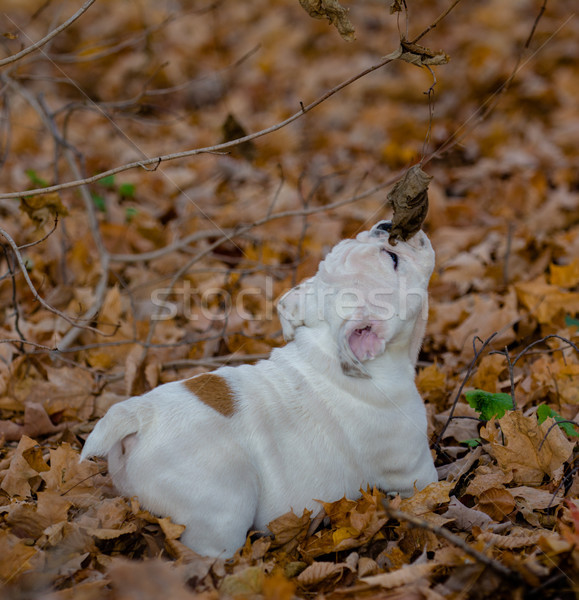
(385,226)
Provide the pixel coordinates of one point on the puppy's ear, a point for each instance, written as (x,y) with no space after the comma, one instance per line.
(295,308)
(359,341)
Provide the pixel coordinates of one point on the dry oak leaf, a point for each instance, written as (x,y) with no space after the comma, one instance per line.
(20,471)
(332,10)
(521,454)
(488,373)
(422,503)
(538,499)
(36,423)
(289,530)
(487,477)
(16,556)
(69,476)
(68,391)
(546,301)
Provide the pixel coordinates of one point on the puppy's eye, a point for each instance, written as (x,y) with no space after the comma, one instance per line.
(393,256)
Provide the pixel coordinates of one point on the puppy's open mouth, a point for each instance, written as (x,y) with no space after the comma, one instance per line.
(365,344)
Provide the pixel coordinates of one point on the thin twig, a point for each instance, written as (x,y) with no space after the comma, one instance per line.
(436,22)
(206,150)
(557,422)
(22,341)
(464,381)
(37,296)
(37,45)
(542,340)
(453,539)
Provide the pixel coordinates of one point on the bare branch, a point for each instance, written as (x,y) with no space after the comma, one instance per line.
(207,150)
(469,371)
(37,45)
(35,293)
(453,539)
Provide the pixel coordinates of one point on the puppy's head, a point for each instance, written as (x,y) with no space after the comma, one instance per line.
(370,295)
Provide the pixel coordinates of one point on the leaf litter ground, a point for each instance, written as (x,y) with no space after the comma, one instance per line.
(144,79)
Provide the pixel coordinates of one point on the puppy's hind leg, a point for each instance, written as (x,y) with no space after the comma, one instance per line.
(223,527)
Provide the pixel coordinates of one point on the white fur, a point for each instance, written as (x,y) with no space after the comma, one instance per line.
(313,421)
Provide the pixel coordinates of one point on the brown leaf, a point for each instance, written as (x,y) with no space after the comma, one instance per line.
(422,503)
(409,200)
(465,518)
(70,477)
(529,538)
(566,276)
(521,452)
(407,574)
(15,555)
(496,502)
(289,530)
(336,14)
(42,209)
(154,578)
(68,391)
(546,301)
(321,571)
(420,56)
(16,480)
(246,583)
(538,499)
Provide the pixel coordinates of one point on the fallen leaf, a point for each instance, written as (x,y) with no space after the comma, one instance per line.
(16,555)
(289,530)
(521,454)
(16,482)
(407,574)
(497,502)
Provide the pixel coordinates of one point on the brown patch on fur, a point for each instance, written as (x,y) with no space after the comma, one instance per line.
(213,390)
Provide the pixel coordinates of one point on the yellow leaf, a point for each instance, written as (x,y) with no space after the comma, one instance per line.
(344,533)
(546,301)
(431,383)
(566,276)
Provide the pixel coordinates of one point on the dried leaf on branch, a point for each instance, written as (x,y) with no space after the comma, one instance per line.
(332,10)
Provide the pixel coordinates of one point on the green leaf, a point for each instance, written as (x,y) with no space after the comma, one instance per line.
(472,443)
(544,412)
(127,190)
(99,202)
(108,181)
(571,322)
(35,179)
(489,405)
(130,213)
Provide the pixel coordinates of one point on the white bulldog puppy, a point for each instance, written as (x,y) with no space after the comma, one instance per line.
(333,410)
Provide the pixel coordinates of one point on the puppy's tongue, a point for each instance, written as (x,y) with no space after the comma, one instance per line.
(365,344)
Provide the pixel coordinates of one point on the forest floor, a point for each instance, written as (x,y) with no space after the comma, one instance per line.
(170,269)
